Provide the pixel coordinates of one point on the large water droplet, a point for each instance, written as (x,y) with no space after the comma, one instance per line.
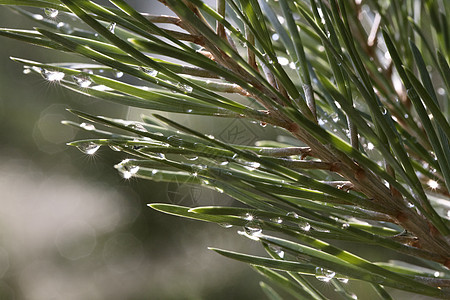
(82,81)
(52,75)
(88,148)
(51,12)
(324,274)
(112,27)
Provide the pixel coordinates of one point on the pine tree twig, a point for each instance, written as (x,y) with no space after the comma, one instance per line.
(284,152)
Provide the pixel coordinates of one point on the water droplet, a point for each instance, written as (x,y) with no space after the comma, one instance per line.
(51,12)
(275,36)
(126,169)
(175,141)
(249,217)
(370,146)
(251,166)
(87,126)
(262,124)
(353,296)
(26,70)
(184,87)
(345,226)
(410,205)
(324,275)
(38,17)
(218,189)
(52,75)
(225,225)
(383,110)
(88,148)
(252,228)
(82,81)
(191,157)
(343,280)
(437,274)
(137,126)
(209,136)
(112,27)
(441,91)
(277,249)
(292,215)
(433,184)
(305,226)
(277,220)
(149,71)
(283,60)
(115,148)
(334,117)
(64,28)
(100,87)
(118,74)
